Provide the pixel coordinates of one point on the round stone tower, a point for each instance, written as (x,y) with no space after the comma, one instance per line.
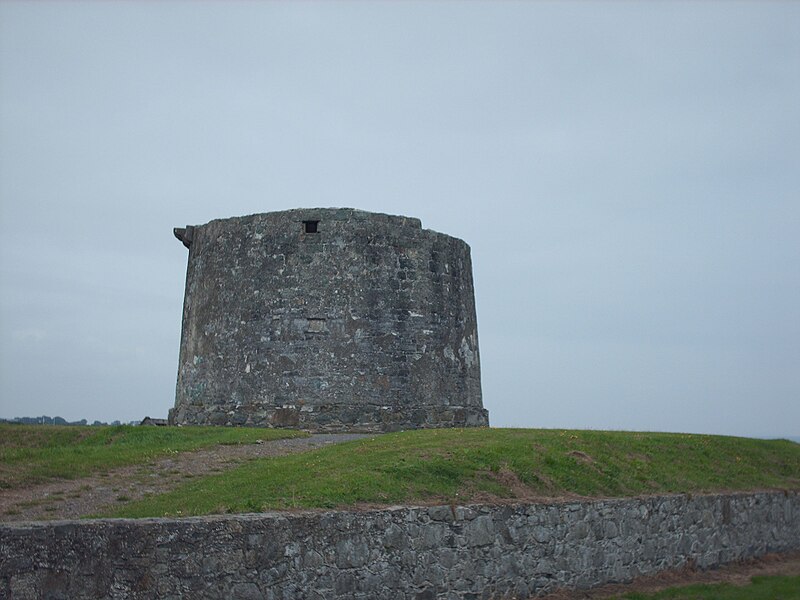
(329,320)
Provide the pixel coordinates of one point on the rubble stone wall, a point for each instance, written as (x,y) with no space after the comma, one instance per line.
(417,553)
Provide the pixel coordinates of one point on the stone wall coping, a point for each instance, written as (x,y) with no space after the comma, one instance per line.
(459,512)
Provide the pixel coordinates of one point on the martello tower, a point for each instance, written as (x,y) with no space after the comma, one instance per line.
(328,320)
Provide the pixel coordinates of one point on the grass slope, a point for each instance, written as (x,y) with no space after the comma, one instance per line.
(463,465)
(760,588)
(35,453)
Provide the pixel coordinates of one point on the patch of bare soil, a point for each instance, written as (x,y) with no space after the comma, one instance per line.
(518,492)
(581,456)
(75,498)
(735,574)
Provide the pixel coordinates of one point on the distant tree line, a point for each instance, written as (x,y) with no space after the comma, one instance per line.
(45,420)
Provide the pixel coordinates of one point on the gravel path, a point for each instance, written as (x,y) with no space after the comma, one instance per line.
(71,499)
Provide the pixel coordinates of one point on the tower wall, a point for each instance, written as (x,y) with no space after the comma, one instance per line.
(329,320)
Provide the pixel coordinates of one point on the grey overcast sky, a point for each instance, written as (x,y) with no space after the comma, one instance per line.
(627,175)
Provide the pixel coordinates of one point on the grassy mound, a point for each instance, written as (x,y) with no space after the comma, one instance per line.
(468,465)
(35,453)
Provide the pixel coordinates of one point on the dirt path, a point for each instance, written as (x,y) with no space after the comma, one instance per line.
(735,574)
(71,499)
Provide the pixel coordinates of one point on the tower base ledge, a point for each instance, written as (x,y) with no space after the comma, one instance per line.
(332,418)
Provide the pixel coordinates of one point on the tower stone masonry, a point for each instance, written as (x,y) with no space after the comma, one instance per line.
(328,320)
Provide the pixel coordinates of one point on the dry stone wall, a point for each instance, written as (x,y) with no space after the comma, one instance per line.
(328,320)
(475,552)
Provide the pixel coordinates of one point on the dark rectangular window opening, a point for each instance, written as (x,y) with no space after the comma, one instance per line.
(310,226)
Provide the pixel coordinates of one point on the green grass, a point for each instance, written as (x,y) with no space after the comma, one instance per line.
(760,588)
(463,465)
(36,453)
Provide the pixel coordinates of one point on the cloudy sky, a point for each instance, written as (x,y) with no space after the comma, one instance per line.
(627,175)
